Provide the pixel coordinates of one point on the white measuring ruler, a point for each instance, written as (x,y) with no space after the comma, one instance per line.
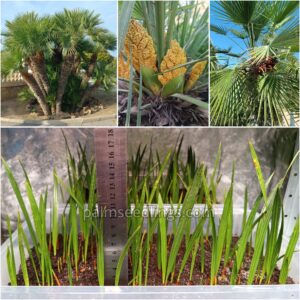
(111,165)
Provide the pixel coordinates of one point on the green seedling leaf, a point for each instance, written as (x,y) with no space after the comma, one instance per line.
(187,205)
(192,243)
(289,253)
(163,238)
(124,253)
(258,172)
(158,178)
(11,256)
(10,267)
(74,234)
(100,254)
(242,243)
(261,232)
(21,202)
(22,255)
(54,214)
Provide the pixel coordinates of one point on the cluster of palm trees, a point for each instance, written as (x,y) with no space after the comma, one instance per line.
(62,58)
(262,87)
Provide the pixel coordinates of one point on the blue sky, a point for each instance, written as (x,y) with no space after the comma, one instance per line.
(107,10)
(224,42)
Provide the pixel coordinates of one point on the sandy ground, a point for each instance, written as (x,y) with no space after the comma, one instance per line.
(15,109)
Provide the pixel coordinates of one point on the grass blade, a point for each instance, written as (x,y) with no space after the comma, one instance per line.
(74,235)
(91,204)
(192,242)
(10,267)
(289,253)
(22,254)
(54,214)
(21,202)
(158,178)
(258,172)
(70,271)
(245,208)
(223,228)
(124,253)
(163,238)
(11,256)
(28,248)
(187,205)
(261,232)
(100,255)
(242,243)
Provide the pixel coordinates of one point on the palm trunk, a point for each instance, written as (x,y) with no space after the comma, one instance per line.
(66,69)
(76,65)
(36,77)
(53,109)
(39,62)
(34,87)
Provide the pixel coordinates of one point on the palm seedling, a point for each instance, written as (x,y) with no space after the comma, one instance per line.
(162,59)
(176,236)
(267,227)
(258,85)
(173,176)
(74,244)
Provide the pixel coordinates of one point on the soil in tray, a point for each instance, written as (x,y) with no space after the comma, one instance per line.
(198,278)
(87,274)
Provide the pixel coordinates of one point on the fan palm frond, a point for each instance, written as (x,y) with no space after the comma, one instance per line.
(266,90)
(218,29)
(278,94)
(228,101)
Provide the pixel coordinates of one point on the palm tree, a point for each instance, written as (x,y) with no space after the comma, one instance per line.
(51,51)
(262,87)
(71,28)
(27,41)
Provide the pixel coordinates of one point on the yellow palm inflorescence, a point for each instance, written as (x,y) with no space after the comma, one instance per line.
(123,68)
(196,71)
(141,43)
(175,56)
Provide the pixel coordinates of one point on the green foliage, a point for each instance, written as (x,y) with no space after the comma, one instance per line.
(165,21)
(10,256)
(161,183)
(25,95)
(72,95)
(248,93)
(45,45)
(289,253)
(82,173)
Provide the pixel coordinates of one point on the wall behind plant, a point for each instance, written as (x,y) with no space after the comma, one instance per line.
(274,146)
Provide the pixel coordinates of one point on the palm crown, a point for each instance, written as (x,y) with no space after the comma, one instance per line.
(262,88)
